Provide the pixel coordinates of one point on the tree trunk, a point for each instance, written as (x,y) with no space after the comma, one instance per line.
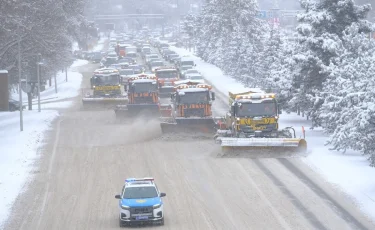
(30,101)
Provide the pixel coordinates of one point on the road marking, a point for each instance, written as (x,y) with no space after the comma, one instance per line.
(332,203)
(274,211)
(310,217)
(52,159)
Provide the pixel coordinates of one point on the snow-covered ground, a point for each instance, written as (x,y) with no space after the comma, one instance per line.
(19,150)
(349,172)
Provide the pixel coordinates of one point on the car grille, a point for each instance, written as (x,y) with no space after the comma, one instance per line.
(141,210)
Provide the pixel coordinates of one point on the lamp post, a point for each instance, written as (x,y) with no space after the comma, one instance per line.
(39,63)
(19,81)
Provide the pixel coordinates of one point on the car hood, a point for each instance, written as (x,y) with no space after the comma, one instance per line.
(141,202)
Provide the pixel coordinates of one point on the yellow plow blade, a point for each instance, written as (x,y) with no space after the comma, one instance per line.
(276,144)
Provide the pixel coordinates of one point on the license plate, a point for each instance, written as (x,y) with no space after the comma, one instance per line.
(141,218)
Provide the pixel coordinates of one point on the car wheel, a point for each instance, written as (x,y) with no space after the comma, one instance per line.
(121,224)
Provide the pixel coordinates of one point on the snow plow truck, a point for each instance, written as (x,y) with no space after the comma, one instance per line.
(166,76)
(105,90)
(252,124)
(190,109)
(143,97)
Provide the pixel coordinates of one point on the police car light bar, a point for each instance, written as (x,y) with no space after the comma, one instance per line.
(139,179)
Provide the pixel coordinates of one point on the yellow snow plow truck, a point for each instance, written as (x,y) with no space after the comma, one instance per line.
(190,109)
(252,124)
(105,89)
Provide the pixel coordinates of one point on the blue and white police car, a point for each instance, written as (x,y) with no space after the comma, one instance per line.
(140,202)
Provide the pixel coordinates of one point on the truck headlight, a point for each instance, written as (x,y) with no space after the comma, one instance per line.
(125,207)
(157,206)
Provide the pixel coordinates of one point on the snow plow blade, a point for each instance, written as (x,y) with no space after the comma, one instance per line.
(131,110)
(189,125)
(103,102)
(259,144)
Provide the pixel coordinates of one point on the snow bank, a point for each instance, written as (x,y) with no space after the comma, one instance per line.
(79,62)
(65,90)
(18,152)
(348,172)
(100,45)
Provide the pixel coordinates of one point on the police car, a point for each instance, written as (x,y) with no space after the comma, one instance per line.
(140,202)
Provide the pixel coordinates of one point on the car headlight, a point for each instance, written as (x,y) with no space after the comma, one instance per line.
(125,207)
(157,206)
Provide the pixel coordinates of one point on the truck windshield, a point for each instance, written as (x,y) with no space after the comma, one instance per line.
(144,87)
(194,98)
(106,79)
(167,74)
(140,193)
(257,109)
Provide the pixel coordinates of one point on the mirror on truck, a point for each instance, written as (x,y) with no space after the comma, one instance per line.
(233,110)
(213,96)
(126,88)
(279,109)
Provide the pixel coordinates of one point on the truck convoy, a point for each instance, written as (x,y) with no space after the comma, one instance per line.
(167,76)
(106,89)
(252,123)
(143,95)
(191,109)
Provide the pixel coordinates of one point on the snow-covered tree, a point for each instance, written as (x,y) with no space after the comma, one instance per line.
(321,29)
(348,111)
(230,36)
(45,27)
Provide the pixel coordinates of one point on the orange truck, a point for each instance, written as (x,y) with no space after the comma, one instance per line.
(166,77)
(190,109)
(143,97)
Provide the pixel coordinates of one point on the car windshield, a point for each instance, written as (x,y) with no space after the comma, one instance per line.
(186,67)
(126,72)
(111,60)
(106,79)
(187,63)
(140,193)
(156,63)
(196,77)
(144,87)
(190,71)
(194,97)
(256,109)
(131,55)
(167,74)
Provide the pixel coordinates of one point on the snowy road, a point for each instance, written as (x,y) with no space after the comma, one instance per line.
(89,155)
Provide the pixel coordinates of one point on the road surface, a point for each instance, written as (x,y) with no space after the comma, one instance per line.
(88,155)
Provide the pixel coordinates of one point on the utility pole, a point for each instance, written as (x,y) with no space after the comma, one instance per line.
(38,75)
(19,80)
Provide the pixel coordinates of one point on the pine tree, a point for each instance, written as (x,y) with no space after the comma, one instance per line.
(348,112)
(321,29)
